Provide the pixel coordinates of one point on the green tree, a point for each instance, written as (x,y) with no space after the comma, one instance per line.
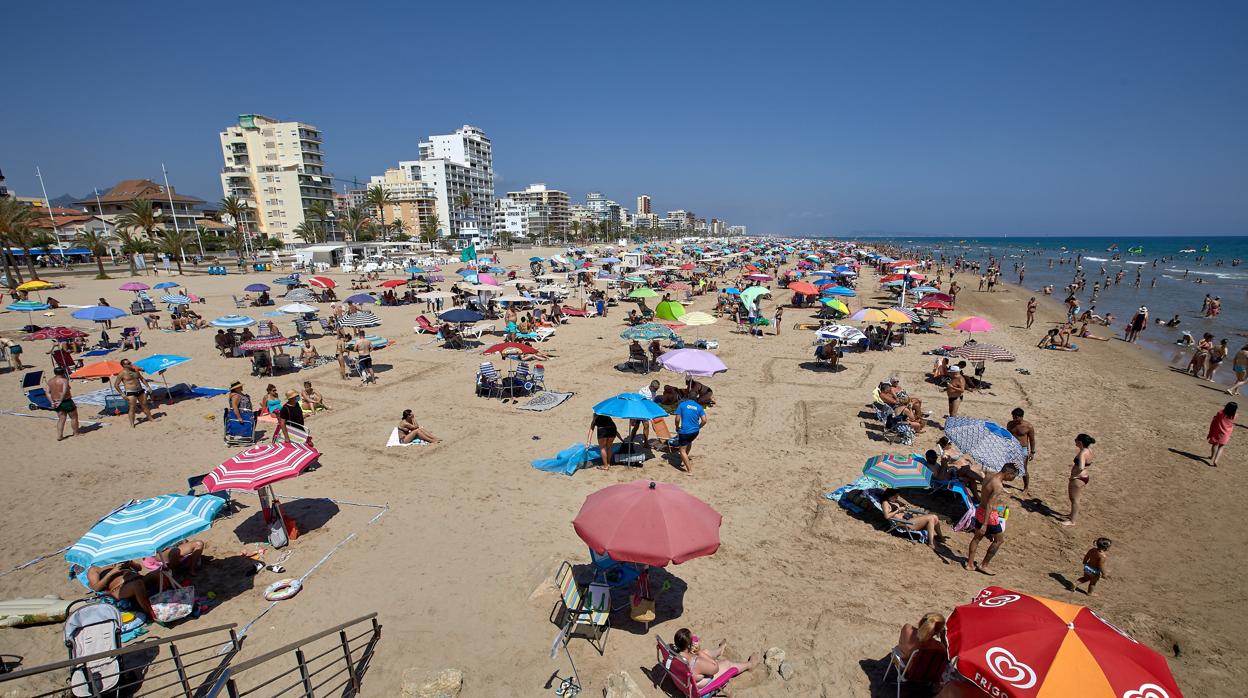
(139,215)
(237,242)
(378,197)
(463,202)
(354,222)
(273,244)
(399,227)
(45,242)
(429,229)
(15,220)
(318,211)
(131,244)
(236,209)
(310,232)
(97,242)
(576,229)
(174,244)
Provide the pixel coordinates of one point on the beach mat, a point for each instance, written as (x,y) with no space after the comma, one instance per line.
(572,458)
(203,391)
(97,398)
(99,352)
(393,441)
(544,400)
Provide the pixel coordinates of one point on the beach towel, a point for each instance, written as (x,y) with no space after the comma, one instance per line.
(544,400)
(204,391)
(570,459)
(99,352)
(97,398)
(394,440)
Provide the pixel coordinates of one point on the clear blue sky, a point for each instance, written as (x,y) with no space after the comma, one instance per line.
(955,118)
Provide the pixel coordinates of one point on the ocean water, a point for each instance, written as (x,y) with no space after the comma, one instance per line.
(1182,279)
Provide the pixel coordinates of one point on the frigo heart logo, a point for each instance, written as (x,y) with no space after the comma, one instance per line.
(998,601)
(1148,690)
(1010,670)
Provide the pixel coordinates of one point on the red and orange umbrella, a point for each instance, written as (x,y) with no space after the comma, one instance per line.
(804,288)
(653,523)
(98,369)
(261,465)
(57,333)
(1013,644)
(321,282)
(933,305)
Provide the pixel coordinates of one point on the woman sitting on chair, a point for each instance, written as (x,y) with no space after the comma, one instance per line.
(895,510)
(927,636)
(706,664)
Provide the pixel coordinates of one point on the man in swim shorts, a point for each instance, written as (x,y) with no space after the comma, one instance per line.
(134,386)
(988,519)
(60,394)
(1026,435)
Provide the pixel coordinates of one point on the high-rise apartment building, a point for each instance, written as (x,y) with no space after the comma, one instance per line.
(551,202)
(278,169)
(412,202)
(453,165)
(643,205)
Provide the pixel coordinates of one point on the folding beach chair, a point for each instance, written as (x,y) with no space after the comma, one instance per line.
(896,527)
(666,440)
(283,362)
(538,379)
(327,325)
(238,433)
(489,384)
(89,630)
(196,481)
(302,329)
(582,611)
(923,666)
(424,326)
(675,668)
(637,356)
(239,303)
(36,397)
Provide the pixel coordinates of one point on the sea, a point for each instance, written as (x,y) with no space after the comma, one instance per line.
(1175,274)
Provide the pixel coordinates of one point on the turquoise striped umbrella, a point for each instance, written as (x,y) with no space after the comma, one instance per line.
(144,528)
(898,471)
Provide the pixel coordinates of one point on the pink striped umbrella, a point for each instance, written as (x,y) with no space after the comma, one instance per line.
(261,465)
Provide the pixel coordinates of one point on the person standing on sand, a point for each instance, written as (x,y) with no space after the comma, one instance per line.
(134,386)
(1031,312)
(1078,475)
(988,519)
(60,394)
(1026,435)
(364,348)
(1094,564)
(1138,324)
(1216,356)
(1220,431)
(1240,366)
(690,419)
(954,389)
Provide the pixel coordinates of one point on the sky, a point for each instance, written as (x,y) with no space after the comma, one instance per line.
(962,118)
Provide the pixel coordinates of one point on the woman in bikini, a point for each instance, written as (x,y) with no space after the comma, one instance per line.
(344,338)
(895,510)
(1079,475)
(409,430)
(706,664)
(606,432)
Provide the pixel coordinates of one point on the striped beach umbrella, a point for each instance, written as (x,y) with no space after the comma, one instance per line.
(363,318)
(648,331)
(373,340)
(840,333)
(233,321)
(134,286)
(297,308)
(982,351)
(987,442)
(261,465)
(266,341)
(910,314)
(321,282)
(144,528)
(300,295)
(898,471)
(176,300)
(27,306)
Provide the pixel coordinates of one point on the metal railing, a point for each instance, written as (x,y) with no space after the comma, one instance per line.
(332,661)
(137,670)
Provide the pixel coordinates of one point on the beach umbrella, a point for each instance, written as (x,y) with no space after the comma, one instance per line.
(694,362)
(822,272)
(374,340)
(98,369)
(394,283)
(54,333)
(322,282)
(134,286)
(669,310)
(652,523)
(461,315)
(176,300)
(98,313)
(36,285)
(971,324)
(261,465)
(933,305)
(434,295)
(648,331)
(920,290)
(362,318)
(898,471)
(485,288)
(697,318)
(159,363)
(982,351)
(516,299)
(535,259)
(27,307)
(749,294)
(840,333)
(893,283)
(896,315)
(300,295)
(166,284)
(264,341)
(839,291)
(610,260)
(487,279)
(290,280)
(643,292)
(362,299)
(630,406)
(835,304)
(732,291)
(1012,643)
(758,276)
(987,442)
(255,288)
(869,315)
(144,528)
(804,288)
(235,321)
(297,308)
(504,347)
(938,297)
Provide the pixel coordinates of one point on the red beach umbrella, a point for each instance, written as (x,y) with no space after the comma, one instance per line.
(261,465)
(394,283)
(934,305)
(508,346)
(687,266)
(321,282)
(57,333)
(806,289)
(1010,643)
(653,523)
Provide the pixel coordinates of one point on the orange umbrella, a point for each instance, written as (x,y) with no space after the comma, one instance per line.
(98,369)
(804,288)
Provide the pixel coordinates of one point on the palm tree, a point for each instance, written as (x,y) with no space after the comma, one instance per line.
(13,215)
(174,244)
(235,208)
(429,229)
(319,212)
(237,242)
(310,232)
(377,197)
(45,242)
(463,201)
(24,237)
(576,229)
(139,215)
(97,242)
(398,226)
(131,244)
(354,222)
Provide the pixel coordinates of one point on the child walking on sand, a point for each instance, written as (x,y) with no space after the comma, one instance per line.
(1094,564)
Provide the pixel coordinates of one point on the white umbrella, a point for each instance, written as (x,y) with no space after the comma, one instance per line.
(516,299)
(297,308)
(517,282)
(433,295)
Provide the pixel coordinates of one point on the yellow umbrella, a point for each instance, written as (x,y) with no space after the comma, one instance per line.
(896,316)
(36,285)
(698,318)
(836,304)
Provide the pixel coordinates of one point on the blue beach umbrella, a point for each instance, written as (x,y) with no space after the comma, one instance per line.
(535,259)
(160,362)
(99,313)
(839,291)
(416,270)
(144,528)
(166,284)
(255,288)
(362,298)
(733,291)
(460,315)
(629,406)
(27,307)
(176,300)
(987,442)
(274,313)
(233,321)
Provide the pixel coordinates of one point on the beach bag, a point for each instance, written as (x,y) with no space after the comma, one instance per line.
(277,533)
(175,604)
(967,522)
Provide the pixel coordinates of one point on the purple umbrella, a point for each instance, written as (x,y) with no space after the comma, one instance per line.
(361,298)
(694,362)
(256,288)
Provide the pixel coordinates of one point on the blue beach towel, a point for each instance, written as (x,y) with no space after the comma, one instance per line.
(571,458)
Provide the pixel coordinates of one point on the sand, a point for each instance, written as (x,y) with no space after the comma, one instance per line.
(459,568)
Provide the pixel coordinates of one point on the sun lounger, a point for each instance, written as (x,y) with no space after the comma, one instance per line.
(488,382)
(574,312)
(675,668)
(583,611)
(424,326)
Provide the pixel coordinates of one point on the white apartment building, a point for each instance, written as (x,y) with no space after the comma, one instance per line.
(643,205)
(551,203)
(278,169)
(454,164)
(520,219)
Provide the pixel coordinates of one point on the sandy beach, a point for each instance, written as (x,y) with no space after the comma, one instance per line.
(460,567)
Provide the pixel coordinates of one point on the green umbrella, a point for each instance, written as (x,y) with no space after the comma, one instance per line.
(749,294)
(669,310)
(643,292)
(835,304)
